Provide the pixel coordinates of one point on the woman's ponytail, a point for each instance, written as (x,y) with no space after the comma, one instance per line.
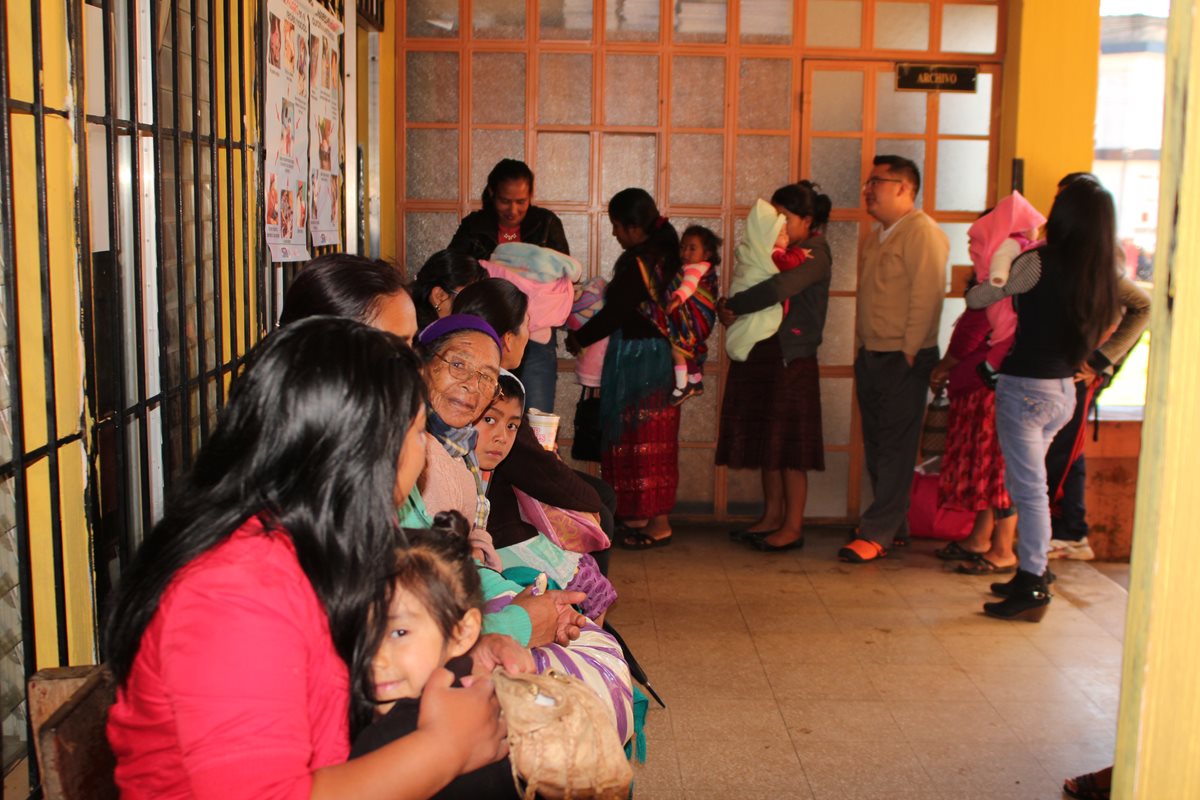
(804,199)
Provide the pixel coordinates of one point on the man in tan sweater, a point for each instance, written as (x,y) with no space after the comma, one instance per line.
(901,285)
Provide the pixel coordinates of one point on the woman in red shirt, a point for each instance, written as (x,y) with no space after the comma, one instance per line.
(235,630)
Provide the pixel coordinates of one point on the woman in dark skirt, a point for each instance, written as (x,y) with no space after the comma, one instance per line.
(640,457)
(771,413)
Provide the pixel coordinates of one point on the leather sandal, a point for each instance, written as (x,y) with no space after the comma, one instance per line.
(761,543)
(982,566)
(640,540)
(956,552)
(743,535)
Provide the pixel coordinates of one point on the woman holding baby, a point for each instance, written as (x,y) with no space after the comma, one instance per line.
(771,413)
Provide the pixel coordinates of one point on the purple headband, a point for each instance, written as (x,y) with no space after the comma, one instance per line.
(457,322)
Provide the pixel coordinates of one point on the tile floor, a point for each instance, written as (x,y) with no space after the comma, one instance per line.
(792,675)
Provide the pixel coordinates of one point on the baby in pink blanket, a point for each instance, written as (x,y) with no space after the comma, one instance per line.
(589,299)
(996,238)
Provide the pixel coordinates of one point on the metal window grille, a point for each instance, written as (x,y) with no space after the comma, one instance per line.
(174,285)
(370,12)
(173,279)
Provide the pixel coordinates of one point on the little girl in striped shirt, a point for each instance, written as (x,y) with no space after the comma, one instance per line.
(700,250)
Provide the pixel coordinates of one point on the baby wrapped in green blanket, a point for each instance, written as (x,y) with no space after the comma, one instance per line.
(752,264)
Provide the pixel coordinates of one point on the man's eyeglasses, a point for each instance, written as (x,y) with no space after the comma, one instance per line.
(461,372)
(875,180)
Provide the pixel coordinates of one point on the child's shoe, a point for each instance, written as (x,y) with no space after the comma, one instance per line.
(691,390)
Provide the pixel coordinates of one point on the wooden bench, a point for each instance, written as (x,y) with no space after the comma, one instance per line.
(68,709)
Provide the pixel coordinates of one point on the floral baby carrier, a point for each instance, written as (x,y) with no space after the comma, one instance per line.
(689,326)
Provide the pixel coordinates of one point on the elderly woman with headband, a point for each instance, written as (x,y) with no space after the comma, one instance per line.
(371,292)
(461,354)
(529,467)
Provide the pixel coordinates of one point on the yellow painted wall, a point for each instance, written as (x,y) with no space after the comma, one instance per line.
(1048,109)
(63,272)
(1158,748)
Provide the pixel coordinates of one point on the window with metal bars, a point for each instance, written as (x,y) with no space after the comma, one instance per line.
(131,256)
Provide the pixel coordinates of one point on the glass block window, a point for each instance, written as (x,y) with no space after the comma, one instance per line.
(433,19)
(834,23)
(969,28)
(431,90)
(697,92)
(498,88)
(565,89)
(566,20)
(498,19)
(700,21)
(766,21)
(708,105)
(631,20)
(625,107)
(902,26)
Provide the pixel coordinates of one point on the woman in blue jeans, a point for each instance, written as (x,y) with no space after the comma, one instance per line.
(1065,295)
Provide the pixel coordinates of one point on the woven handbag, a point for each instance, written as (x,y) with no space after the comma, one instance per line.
(562,740)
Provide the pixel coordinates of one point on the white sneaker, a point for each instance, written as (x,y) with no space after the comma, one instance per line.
(1071,550)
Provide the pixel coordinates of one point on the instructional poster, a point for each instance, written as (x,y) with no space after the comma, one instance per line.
(324,113)
(285,129)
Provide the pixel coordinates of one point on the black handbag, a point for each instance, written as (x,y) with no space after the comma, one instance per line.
(585,446)
(936,427)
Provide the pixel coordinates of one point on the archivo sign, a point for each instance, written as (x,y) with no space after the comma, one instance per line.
(935,78)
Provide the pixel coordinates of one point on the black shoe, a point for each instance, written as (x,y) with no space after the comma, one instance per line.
(1004,589)
(743,535)
(678,396)
(1028,599)
(761,543)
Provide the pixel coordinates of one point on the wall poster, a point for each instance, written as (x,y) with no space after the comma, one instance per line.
(325,136)
(285,129)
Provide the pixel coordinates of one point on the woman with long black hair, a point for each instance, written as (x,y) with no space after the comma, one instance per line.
(369,290)
(443,275)
(236,631)
(641,426)
(1065,295)
(771,413)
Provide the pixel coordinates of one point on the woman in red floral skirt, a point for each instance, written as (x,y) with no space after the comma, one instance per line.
(972,477)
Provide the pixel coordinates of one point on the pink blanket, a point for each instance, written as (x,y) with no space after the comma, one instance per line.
(549,303)
(1015,218)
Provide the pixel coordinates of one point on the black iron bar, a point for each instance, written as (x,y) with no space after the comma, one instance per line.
(266,305)
(230,254)
(185,399)
(198,218)
(214,179)
(114,240)
(159,205)
(28,106)
(245,188)
(139,272)
(16,406)
(48,360)
(31,457)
